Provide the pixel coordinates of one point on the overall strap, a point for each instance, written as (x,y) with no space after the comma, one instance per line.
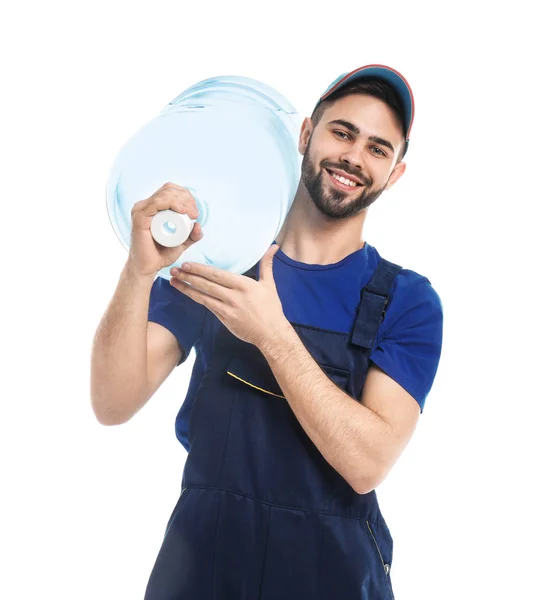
(374,301)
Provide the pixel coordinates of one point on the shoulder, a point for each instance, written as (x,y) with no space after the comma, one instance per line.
(409,288)
(409,340)
(412,287)
(414,302)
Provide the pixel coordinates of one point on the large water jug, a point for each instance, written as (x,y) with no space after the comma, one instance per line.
(232,141)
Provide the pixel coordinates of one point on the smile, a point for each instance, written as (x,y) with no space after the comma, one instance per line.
(342,182)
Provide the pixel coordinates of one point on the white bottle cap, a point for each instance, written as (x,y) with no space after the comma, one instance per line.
(170,228)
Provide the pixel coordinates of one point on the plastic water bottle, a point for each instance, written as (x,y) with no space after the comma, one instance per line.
(232,141)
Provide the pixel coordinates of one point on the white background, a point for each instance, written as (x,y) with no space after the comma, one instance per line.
(84,507)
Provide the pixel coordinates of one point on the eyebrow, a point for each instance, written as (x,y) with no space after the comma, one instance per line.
(354,129)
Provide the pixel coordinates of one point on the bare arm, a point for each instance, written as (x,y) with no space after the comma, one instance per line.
(361,441)
(131,357)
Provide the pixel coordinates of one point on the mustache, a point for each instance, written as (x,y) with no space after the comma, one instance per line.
(367,181)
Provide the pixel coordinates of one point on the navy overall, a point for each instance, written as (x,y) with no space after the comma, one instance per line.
(262,515)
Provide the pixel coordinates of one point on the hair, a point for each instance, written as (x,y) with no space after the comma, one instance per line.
(370,86)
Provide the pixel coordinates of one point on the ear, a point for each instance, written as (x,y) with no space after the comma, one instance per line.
(304,136)
(396,174)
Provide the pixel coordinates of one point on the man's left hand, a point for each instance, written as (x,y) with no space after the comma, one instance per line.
(250,309)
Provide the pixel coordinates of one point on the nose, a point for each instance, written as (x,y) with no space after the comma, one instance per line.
(354,157)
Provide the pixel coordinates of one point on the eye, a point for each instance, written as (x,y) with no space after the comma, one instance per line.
(341,133)
(379,151)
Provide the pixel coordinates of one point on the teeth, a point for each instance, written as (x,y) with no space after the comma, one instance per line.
(344,180)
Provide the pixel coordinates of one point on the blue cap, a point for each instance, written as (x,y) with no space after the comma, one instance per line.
(392,77)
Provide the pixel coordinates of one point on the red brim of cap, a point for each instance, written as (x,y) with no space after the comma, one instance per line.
(393,77)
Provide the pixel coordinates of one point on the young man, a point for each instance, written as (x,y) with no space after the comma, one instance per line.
(311,372)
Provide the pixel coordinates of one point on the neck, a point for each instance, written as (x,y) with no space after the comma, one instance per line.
(310,237)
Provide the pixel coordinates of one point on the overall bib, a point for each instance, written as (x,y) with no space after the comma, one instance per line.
(262,515)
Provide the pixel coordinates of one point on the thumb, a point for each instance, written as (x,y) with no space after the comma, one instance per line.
(266,265)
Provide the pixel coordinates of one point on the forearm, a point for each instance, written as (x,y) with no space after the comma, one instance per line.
(348,434)
(119,351)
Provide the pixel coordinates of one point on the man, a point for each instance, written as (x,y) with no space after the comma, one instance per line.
(311,373)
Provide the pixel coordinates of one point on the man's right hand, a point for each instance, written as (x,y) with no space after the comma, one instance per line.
(147,257)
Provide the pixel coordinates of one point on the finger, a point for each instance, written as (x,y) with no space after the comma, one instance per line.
(145,209)
(218,276)
(195,235)
(197,231)
(179,201)
(169,185)
(213,304)
(266,264)
(201,284)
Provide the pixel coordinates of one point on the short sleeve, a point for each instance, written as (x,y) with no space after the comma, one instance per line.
(409,341)
(177,312)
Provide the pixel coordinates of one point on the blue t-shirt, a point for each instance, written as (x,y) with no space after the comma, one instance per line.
(407,346)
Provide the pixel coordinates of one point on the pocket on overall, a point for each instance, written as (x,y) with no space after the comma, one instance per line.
(253,369)
(382,543)
(318,556)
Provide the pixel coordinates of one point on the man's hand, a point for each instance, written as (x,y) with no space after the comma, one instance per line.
(250,309)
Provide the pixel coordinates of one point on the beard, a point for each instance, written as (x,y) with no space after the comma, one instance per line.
(333,202)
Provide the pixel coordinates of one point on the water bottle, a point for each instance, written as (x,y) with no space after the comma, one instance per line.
(232,141)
